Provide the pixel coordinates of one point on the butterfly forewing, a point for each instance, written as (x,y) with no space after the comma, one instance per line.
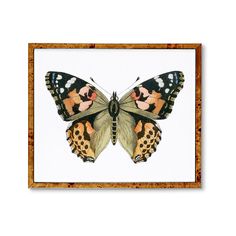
(155,97)
(74,96)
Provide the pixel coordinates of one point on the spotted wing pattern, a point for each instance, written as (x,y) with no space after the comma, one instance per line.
(148,137)
(73,95)
(155,97)
(88,136)
(92,126)
(139,137)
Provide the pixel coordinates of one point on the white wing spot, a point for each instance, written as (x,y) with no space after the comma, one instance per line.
(170,76)
(70,82)
(73,79)
(159,81)
(167,90)
(67,85)
(62,90)
(170,85)
(59,77)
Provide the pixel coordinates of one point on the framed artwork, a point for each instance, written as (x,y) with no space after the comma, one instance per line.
(114,115)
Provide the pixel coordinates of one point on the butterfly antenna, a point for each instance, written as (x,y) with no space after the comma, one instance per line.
(130,86)
(99,86)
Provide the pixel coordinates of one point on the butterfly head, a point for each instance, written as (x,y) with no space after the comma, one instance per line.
(114,96)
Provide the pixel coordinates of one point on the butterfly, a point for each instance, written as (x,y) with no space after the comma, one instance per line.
(95,120)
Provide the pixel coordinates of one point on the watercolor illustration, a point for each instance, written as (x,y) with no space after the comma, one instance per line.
(95,120)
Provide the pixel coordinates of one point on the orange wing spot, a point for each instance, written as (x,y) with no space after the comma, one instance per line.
(80,128)
(159,104)
(73,99)
(69,105)
(93,96)
(74,96)
(138,127)
(133,95)
(90,129)
(148,126)
(153,96)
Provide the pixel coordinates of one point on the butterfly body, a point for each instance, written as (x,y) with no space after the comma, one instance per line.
(97,120)
(113,109)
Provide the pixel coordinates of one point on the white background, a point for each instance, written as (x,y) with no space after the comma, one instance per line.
(115,70)
(207,211)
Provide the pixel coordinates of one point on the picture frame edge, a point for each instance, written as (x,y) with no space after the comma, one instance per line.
(143,185)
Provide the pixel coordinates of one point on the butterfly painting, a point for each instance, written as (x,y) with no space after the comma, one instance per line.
(95,120)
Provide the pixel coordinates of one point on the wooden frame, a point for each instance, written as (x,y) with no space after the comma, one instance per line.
(32,184)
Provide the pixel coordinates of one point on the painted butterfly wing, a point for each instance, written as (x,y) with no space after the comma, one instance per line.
(155,97)
(150,100)
(73,96)
(78,100)
(88,136)
(138,135)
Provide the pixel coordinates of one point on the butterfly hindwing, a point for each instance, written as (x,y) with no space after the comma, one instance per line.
(73,96)
(89,135)
(155,97)
(148,137)
(138,135)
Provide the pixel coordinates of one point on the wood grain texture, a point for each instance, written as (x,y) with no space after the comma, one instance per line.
(32,184)
(30,115)
(198,110)
(118,185)
(114,46)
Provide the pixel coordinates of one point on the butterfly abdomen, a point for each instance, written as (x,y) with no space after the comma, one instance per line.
(114,131)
